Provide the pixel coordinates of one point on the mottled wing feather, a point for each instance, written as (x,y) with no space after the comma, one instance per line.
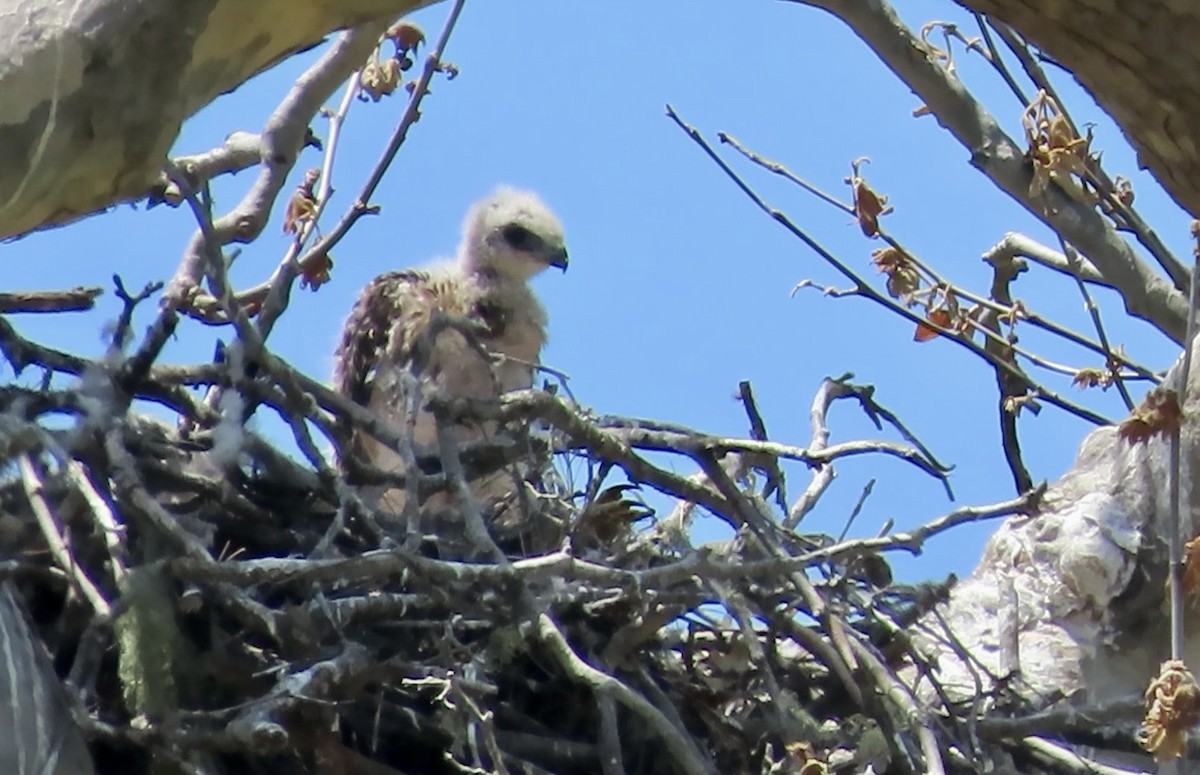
(367,336)
(388,320)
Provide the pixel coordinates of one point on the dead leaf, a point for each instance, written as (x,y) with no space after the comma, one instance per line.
(315,273)
(407,36)
(1158,414)
(1172,708)
(302,207)
(804,759)
(379,79)
(1059,156)
(902,277)
(939,317)
(968,323)
(1091,377)
(868,205)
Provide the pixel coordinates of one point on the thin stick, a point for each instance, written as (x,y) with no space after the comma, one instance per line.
(689,758)
(411,114)
(1175,475)
(1094,310)
(52,532)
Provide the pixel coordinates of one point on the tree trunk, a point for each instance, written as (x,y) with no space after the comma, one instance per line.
(1139,60)
(95,90)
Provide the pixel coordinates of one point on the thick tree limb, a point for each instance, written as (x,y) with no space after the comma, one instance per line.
(96,90)
(1134,59)
(1147,294)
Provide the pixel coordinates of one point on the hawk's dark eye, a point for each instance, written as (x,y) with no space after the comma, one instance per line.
(520,238)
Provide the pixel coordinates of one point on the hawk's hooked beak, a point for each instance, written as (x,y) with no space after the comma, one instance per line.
(558,259)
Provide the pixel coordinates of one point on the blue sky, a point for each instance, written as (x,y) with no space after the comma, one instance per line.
(678,286)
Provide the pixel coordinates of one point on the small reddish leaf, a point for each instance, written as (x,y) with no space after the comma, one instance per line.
(939,317)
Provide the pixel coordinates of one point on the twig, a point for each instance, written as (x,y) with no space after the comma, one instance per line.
(240,150)
(609,739)
(276,298)
(996,60)
(1146,294)
(914,540)
(380,565)
(864,289)
(1071,761)
(690,759)
(412,113)
(1174,268)
(1094,311)
(129,303)
(784,172)
(476,530)
(776,484)
(52,532)
(1012,246)
(282,139)
(918,719)
(830,391)
(1009,387)
(858,505)
(112,531)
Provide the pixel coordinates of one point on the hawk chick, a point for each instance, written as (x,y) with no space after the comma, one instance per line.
(507,239)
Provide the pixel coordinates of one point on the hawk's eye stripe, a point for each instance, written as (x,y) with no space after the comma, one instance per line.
(520,238)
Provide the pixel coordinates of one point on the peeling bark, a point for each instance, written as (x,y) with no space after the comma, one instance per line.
(95,91)
(1139,61)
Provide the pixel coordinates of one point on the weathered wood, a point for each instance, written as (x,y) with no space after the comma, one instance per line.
(95,91)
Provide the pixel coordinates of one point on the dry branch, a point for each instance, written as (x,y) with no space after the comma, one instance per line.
(1127,57)
(75,300)
(1147,295)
